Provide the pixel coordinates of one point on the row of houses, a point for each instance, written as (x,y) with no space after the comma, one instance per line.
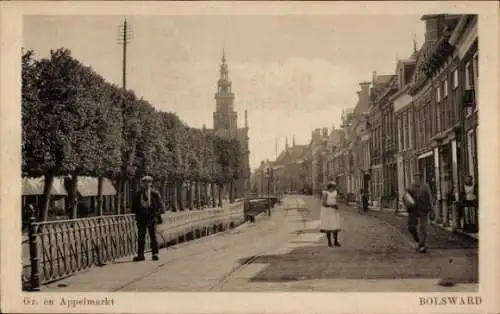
(421,118)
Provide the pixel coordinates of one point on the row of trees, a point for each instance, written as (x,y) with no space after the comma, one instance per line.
(77,124)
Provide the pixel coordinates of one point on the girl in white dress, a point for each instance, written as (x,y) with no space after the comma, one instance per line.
(330,218)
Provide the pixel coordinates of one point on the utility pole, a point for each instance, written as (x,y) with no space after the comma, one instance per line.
(124,38)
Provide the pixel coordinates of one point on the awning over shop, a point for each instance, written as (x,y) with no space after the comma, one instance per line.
(88,186)
(34,186)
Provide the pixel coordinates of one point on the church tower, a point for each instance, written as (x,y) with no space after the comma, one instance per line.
(225,118)
(225,125)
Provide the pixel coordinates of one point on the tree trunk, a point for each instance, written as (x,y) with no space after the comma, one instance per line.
(220,195)
(198,195)
(124,199)
(190,195)
(175,200)
(231,192)
(44,211)
(171,195)
(163,193)
(205,195)
(100,208)
(212,190)
(182,203)
(119,195)
(73,191)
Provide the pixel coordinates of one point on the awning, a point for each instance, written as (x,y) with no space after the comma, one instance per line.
(88,186)
(34,186)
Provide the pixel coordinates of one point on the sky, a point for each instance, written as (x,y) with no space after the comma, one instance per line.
(292,73)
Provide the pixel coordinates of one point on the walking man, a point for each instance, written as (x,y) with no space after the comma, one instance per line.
(418,211)
(364,199)
(147,206)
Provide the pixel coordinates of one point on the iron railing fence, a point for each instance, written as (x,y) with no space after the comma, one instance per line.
(58,249)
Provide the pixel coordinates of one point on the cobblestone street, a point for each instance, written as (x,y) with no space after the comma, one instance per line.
(286,252)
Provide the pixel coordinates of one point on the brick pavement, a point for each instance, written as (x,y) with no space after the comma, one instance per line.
(291,255)
(375,256)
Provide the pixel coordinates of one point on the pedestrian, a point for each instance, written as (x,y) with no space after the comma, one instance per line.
(419,209)
(364,200)
(147,206)
(330,218)
(468,208)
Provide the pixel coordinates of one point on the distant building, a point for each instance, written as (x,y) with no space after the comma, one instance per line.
(290,169)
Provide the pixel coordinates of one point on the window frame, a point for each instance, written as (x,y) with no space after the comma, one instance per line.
(475,75)
(455,79)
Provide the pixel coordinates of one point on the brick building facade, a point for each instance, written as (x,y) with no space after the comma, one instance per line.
(422,118)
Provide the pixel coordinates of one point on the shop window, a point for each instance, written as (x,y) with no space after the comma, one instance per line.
(471,152)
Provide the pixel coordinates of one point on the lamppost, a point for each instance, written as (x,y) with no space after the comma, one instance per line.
(268,173)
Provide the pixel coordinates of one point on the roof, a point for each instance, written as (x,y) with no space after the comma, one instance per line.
(241,134)
(34,186)
(383,79)
(292,154)
(88,186)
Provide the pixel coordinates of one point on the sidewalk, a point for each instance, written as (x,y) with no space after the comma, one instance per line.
(203,259)
(402,212)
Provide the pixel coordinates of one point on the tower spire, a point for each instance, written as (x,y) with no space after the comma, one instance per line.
(293,141)
(286,143)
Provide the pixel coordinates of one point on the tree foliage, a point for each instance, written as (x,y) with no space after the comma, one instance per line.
(76,122)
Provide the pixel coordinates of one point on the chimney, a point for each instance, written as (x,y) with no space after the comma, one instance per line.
(364,95)
(246,119)
(433,27)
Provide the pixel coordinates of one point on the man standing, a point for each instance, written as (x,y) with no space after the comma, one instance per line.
(147,206)
(418,214)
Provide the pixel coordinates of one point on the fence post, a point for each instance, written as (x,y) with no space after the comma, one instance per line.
(34,258)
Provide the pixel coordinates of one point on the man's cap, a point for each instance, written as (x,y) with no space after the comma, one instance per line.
(147,179)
